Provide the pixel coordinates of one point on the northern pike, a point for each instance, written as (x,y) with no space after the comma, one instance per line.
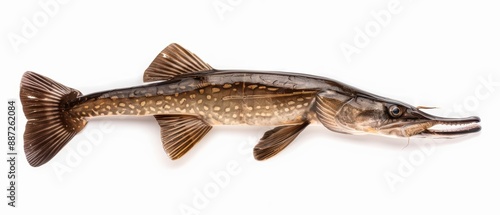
(189,97)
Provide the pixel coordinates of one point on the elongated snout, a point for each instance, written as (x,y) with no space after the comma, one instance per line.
(446,127)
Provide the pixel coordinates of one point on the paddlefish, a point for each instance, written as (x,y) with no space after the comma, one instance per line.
(188,97)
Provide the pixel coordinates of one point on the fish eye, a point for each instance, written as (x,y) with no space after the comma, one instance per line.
(395,111)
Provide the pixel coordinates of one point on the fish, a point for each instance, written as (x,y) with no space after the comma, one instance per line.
(188,97)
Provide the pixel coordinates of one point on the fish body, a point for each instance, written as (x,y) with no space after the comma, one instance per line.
(188,98)
(219,97)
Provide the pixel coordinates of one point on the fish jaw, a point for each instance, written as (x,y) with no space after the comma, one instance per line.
(451,127)
(426,125)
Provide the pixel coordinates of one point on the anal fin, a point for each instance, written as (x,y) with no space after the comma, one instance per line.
(179,133)
(276,140)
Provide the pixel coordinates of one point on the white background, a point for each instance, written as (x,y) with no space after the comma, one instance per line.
(430,53)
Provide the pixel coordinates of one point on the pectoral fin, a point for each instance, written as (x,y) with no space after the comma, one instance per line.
(276,140)
(327,105)
(179,133)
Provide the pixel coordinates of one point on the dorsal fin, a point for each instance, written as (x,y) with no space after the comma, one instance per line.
(172,61)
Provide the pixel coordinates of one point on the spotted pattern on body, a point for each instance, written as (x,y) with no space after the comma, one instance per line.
(219,104)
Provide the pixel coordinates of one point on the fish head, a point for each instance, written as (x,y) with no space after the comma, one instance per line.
(372,114)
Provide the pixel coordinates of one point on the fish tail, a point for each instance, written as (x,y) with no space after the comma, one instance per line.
(50,125)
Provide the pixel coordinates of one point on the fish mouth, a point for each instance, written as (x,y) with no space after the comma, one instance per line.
(444,127)
(452,126)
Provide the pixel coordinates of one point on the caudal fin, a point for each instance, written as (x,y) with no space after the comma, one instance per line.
(50,125)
